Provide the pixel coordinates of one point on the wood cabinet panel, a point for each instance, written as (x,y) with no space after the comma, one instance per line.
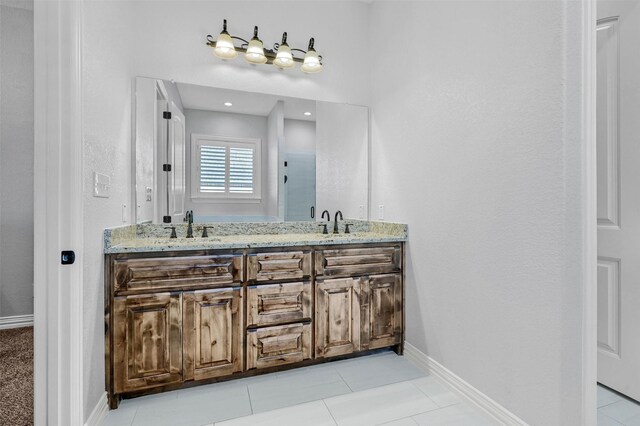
(213,333)
(157,274)
(337,319)
(358,261)
(278,345)
(147,340)
(278,303)
(288,265)
(382,323)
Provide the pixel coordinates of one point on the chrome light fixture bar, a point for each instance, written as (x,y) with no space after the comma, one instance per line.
(254,52)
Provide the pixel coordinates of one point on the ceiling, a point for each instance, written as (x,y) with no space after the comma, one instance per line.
(213,99)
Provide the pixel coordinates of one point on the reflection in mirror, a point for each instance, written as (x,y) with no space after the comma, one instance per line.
(239,156)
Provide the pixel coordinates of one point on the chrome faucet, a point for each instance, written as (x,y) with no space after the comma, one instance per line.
(335,222)
(189,219)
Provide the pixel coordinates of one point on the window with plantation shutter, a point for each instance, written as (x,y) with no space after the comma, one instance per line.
(225,167)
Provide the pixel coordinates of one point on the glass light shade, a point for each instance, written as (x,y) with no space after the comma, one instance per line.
(224,47)
(255,52)
(284,58)
(311,62)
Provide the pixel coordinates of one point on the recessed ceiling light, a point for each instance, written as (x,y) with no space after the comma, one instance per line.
(307,113)
(228,104)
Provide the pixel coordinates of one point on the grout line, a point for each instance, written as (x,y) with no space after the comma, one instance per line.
(133,419)
(612,419)
(345,382)
(330,413)
(250,403)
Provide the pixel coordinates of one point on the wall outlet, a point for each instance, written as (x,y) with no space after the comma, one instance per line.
(101,185)
(381,212)
(148,191)
(125,214)
(361,212)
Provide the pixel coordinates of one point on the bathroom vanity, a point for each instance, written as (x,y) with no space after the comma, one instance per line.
(179,312)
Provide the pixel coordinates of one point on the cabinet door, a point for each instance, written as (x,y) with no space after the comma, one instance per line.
(337,316)
(212,333)
(382,323)
(147,341)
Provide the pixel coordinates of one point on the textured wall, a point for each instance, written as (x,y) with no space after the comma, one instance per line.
(473,148)
(16,159)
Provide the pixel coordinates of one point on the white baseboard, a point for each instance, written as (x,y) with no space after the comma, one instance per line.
(96,418)
(16,322)
(471,394)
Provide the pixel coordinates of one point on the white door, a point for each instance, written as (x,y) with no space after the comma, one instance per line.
(177,179)
(618,149)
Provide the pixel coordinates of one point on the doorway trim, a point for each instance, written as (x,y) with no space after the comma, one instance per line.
(58,215)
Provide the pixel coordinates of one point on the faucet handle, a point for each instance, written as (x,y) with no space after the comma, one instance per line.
(173,231)
(324,230)
(204,231)
(346,228)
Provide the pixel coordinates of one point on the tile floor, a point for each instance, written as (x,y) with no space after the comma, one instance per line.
(616,410)
(382,388)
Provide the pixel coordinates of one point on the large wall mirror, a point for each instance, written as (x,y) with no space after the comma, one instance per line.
(239,156)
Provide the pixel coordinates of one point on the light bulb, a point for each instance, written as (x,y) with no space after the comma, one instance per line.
(284,58)
(255,50)
(224,45)
(311,62)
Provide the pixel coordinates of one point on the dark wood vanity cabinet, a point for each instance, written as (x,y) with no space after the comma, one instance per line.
(174,318)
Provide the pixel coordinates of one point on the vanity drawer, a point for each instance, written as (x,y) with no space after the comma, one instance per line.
(358,261)
(279,266)
(279,345)
(176,272)
(278,303)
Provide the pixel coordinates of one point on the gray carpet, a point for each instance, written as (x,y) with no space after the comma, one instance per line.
(16,377)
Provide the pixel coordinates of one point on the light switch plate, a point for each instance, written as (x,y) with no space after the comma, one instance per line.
(101,185)
(125,214)
(381,212)
(361,212)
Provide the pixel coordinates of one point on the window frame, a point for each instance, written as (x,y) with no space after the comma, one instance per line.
(198,140)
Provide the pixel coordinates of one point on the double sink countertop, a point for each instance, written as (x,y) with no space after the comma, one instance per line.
(238,235)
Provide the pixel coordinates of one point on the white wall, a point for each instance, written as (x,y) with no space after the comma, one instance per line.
(227,125)
(299,136)
(16,158)
(473,147)
(166,39)
(342,162)
(275,139)
(108,74)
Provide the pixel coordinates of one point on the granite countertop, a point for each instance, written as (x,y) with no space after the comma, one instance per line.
(152,238)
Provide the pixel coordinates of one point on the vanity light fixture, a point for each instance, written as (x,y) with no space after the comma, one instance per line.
(254,52)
